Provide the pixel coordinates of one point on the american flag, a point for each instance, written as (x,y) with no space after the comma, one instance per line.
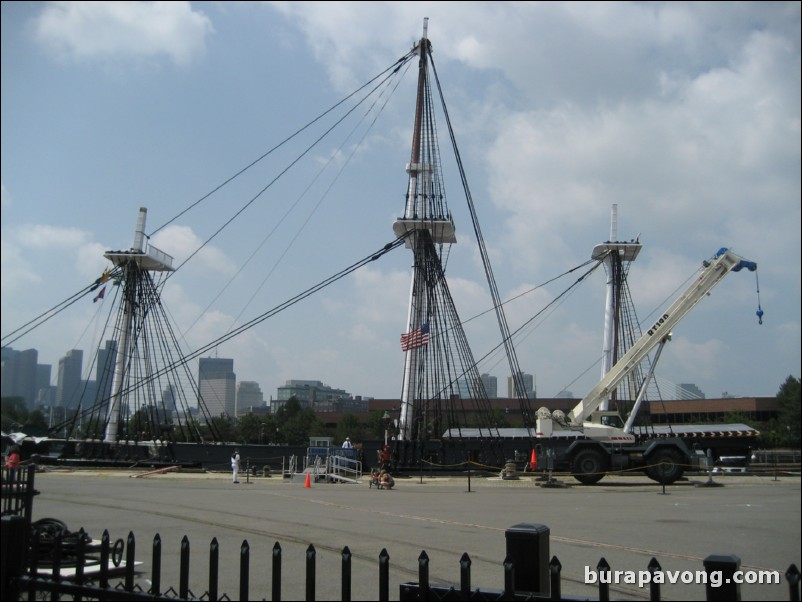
(416,338)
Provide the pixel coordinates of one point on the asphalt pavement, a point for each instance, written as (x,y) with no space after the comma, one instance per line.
(628,520)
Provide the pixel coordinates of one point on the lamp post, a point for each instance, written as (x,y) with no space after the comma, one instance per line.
(386,418)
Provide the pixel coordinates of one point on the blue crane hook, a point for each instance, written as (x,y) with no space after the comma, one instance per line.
(759,311)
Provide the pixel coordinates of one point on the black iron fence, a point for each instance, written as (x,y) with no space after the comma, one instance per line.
(38,563)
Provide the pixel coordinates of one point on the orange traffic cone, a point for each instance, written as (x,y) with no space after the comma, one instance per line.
(533,461)
(308,480)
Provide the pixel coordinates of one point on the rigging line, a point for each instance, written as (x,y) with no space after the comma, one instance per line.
(523,336)
(534,288)
(500,317)
(50,313)
(276,178)
(272,312)
(531,290)
(394,67)
(331,160)
(588,369)
(515,332)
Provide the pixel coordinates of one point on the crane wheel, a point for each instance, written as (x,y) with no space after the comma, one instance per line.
(666,466)
(589,466)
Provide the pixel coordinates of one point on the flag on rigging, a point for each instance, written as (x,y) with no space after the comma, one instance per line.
(415,338)
(100,295)
(104,277)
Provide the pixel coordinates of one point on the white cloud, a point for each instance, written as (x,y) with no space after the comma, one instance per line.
(109,30)
(183,242)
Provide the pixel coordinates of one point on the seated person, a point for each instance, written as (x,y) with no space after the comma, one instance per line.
(385,480)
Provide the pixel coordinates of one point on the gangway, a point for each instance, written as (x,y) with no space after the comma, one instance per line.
(343,469)
(333,464)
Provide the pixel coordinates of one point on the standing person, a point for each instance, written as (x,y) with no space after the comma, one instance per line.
(235,459)
(347,443)
(12,461)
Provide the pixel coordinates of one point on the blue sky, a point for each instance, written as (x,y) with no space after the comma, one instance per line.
(685,115)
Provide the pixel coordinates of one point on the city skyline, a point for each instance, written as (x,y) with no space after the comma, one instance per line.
(209,368)
(225,394)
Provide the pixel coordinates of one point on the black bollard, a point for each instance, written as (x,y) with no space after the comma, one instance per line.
(528,547)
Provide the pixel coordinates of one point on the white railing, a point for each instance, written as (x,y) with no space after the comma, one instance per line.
(343,468)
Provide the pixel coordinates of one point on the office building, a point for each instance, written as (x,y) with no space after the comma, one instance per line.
(217,384)
(19,374)
(104,371)
(528,384)
(490,384)
(689,391)
(69,386)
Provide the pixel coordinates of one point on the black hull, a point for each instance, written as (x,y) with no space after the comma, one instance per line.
(406,458)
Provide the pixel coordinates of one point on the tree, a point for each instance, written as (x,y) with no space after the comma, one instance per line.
(249,428)
(790,402)
(295,425)
(139,426)
(36,423)
(375,425)
(223,425)
(14,413)
(349,426)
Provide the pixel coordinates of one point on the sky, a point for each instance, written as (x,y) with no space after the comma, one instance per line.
(685,116)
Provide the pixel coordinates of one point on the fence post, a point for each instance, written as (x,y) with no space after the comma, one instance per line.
(555,568)
(276,597)
(345,596)
(80,561)
(105,554)
(509,578)
(792,577)
(130,561)
(214,569)
(244,570)
(725,565)
(465,576)
(528,546)
(423,575)
(603,569)
(183,571)
(156,569)
(384,575)
(13,541)
(654,587)
(310,573)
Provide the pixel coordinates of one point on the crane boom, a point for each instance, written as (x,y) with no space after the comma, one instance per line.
(713,272)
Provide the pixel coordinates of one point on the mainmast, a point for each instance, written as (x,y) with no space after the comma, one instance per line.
(134,263)
(427,221)
(617,257)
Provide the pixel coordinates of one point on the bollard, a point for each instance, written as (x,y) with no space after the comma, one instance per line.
(528,546)
(725,565)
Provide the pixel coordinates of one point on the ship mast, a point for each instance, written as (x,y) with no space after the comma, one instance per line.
(134,263)
(616,255)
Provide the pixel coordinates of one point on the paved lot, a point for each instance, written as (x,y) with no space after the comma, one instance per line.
(627,520)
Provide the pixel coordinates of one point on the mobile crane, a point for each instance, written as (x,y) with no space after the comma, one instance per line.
(590,443)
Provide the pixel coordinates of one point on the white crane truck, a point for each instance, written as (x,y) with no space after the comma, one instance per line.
(591,443)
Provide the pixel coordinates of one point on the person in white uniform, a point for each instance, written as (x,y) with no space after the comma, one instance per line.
(235,466)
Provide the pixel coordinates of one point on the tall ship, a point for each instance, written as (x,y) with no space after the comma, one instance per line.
(142,412)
